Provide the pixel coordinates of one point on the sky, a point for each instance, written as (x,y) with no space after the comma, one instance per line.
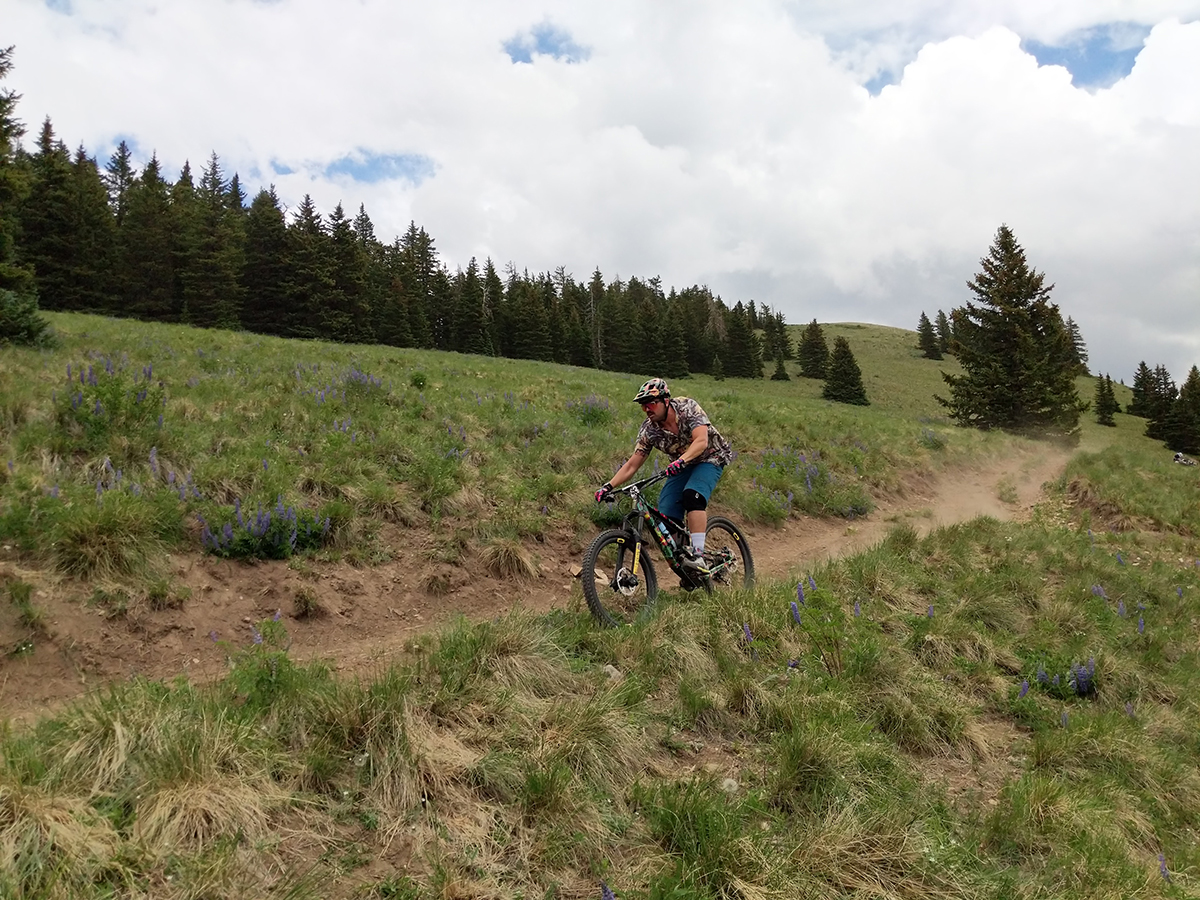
(843,161)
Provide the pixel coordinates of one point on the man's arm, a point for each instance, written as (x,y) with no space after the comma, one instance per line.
(631,466)
(697,447)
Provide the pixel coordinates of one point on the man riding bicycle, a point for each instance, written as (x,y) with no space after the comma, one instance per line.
(681,429)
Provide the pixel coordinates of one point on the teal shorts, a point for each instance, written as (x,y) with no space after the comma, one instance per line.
(701,478)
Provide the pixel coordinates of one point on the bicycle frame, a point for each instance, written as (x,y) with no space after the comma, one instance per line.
(667,537)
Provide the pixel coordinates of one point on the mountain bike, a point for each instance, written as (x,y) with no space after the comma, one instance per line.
(619,581)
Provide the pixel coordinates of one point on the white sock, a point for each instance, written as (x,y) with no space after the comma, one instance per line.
(698,541)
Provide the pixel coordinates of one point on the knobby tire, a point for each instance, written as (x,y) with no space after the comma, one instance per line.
(611,552)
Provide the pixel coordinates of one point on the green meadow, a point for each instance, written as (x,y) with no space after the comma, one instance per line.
(994,710)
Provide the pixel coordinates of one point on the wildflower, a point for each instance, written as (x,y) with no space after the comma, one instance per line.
(1129,709)
(1099,591)
(257,636)
(1120,559)
(1179,591)
(793,664)
(277,616)
(812,584)
(929,612)
(606,892)
(1024,689)
(795,612)
(1162,868)
(857,610)
(264,465)
(212,636)
(746,631)
(800,593)
(1056,680)
(1121,608)
(1141,625)
(1064,719)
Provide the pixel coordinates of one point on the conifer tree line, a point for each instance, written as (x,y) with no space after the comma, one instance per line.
(1172,413)
(125,241)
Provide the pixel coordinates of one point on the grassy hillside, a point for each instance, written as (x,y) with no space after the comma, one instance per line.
(180,432)
(992,711)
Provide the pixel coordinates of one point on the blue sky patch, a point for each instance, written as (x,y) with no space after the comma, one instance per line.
(879,82)
(547,40)
(280,168)
(59,6)
(1096,57)
(370,168)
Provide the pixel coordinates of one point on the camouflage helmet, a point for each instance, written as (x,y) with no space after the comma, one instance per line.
(652,390)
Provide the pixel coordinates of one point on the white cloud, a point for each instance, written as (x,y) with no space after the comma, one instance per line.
(733,145)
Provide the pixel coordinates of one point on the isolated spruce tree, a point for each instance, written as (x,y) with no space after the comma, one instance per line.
(19,319)
(780,373)
(718,369)
(927,341)
(743,358)
(1014,348)
(843,378)
(1143,380)
(1105,403)
(1182,427)
(813,352)
(944,334)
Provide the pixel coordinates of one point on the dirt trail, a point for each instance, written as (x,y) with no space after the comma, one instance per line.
(372,613)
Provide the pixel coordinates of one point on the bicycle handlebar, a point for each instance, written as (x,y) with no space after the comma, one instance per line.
(645,482)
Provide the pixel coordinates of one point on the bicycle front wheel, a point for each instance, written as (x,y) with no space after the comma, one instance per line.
(615,593)
(727,554)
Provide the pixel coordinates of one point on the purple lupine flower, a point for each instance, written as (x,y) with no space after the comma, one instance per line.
(1064,719)
(212,636)
(1121,608)
(1179,591)
(228,531)
(264,465)
(1042,677)
(746,632)
(1056,680)
(606,892)
(812,584)
(1024,689)
(1162,868)
(1129,709)
(258,637)
(1120,559)
(795,612)
(929,612)
(800,592)
(1141,625)
(160,420)
(1099,591)
(277,616)
(793,664)
(857,610)
(154,460)
(171,477)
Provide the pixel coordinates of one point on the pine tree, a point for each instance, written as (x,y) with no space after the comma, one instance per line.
(46,222)
(1182,427)
(93,237)
(145,249)
(1078,348)
(1014,349)
(345,315)
(213,258)
(1105,403)
(265,272)
(927,341)
(1160,396)
(311,269)
(118,180)
(742,356)
(19,319)
(473,333)
(813,352)
(673,346)
(944,334)
(718,369)
(780,373)
(1143,382)
(843,379)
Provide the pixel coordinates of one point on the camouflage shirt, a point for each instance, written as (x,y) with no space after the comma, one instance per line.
(689,416)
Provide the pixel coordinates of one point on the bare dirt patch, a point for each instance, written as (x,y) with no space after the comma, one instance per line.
(369,614)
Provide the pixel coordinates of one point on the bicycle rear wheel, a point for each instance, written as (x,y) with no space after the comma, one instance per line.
(614,593)
(727,554)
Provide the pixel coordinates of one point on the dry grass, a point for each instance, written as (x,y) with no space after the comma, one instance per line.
(507,558)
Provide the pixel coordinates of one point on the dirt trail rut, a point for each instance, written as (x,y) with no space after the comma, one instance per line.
(371,613)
